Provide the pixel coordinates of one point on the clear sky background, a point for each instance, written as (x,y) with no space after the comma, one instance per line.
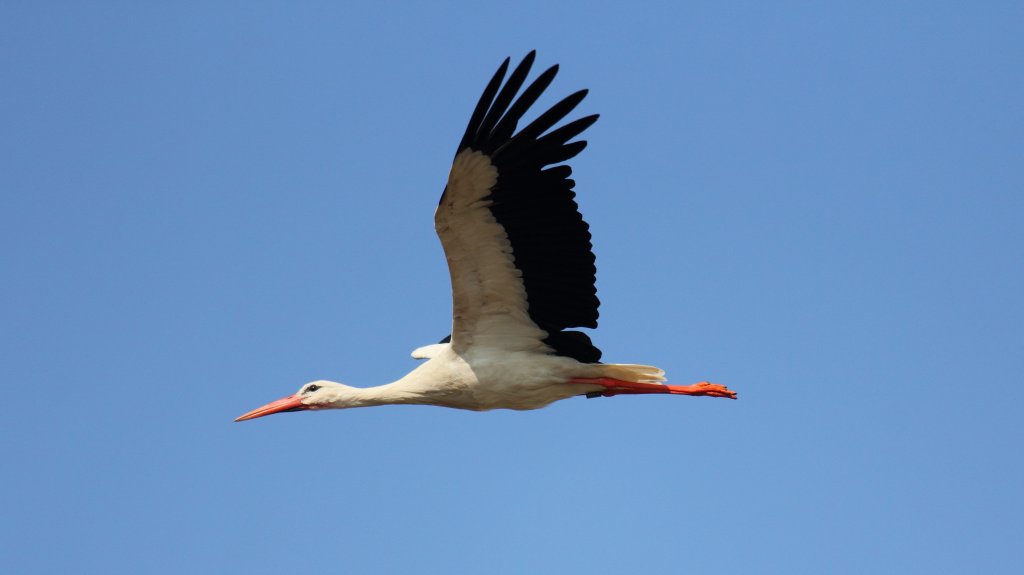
(205,205)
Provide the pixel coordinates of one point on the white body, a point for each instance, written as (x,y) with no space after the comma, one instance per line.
(480,380)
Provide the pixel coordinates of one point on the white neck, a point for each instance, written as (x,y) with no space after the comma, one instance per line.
(395,393)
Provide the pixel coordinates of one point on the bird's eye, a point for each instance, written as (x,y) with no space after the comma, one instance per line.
(312,388)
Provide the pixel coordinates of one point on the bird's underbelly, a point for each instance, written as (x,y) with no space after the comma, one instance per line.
(525,397)
(484,397)
(511,381)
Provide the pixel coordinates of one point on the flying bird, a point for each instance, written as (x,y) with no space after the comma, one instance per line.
(522,273)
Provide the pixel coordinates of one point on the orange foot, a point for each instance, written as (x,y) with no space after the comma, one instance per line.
(703,388)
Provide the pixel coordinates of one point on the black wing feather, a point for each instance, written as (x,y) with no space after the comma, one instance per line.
(507,126)
(482,105)
(508,92)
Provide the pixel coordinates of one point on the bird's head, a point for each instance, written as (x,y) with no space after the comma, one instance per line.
(314,395)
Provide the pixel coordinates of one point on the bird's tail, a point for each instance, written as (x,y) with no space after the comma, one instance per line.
(632,372)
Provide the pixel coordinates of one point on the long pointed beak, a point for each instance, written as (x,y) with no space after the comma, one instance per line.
(290,403)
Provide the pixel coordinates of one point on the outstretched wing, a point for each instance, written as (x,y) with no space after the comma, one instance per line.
(518,250)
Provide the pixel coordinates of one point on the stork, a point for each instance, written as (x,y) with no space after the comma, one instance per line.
(522,273)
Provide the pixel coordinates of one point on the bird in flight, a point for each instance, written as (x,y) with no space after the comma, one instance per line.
(522,273)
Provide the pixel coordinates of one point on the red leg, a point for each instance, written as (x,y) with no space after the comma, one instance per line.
(619,387)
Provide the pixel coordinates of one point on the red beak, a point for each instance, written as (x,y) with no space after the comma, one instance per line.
(290,403)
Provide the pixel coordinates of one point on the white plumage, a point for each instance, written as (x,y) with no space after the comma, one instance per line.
(522,273)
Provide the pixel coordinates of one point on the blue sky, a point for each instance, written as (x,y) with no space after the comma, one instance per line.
(206,205)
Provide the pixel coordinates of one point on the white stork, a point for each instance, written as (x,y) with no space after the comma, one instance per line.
(522,272)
